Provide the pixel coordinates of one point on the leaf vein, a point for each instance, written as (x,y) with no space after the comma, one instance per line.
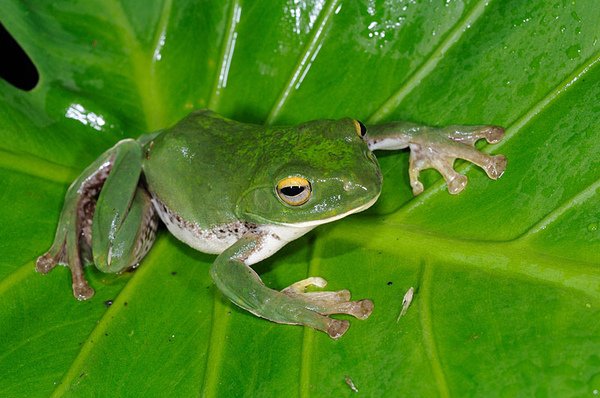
(430,64)
(426,320)
(305,60)
(514,258)
(558,211)
(545,102)
(308,334)
(216,342)
(227,47)
(16,277)
(160,34)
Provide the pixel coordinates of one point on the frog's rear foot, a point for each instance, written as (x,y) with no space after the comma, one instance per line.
(48,261)
(439,148)
(45,263)
(330,302)
(82,291)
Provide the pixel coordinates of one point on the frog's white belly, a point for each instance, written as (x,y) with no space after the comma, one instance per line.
(208,240)
(217,239)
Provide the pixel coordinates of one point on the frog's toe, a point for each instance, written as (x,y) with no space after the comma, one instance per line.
(467,136)
(82,291)
(329,302)
(495,166)
(300,286)
(45,263)
(436,157)
(471,134)
(337,328)
(493,134)
(456,182)
(417,162)
(362,309)
(69,255)
(417,186)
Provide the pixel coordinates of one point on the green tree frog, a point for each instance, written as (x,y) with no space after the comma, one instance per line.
(243,191)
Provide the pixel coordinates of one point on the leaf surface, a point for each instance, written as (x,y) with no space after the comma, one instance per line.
(507,274)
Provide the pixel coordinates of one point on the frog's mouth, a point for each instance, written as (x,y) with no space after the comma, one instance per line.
(314,223)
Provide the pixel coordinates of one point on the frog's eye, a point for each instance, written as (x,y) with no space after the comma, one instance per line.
(361,130)
(294,191)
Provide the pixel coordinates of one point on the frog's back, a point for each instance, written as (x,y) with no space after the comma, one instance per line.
(197,170)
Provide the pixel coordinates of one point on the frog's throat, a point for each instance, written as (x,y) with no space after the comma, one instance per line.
(314,223)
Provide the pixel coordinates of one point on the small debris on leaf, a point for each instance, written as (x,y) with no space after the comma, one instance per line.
(406,300)
(350,383)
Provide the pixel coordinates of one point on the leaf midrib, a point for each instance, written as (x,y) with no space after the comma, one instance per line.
(516,258)
(143,64)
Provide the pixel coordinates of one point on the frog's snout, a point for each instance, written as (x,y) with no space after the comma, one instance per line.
(361,188)
(352,187)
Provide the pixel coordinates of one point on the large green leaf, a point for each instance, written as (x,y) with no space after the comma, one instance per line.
(507,274)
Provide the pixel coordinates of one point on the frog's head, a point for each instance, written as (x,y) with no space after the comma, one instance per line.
(311,174)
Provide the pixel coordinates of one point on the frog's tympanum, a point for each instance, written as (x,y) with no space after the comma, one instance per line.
(243,191)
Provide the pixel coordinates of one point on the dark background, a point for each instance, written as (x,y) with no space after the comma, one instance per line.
(16,67)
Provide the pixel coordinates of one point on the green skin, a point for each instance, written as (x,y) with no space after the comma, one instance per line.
(243,191)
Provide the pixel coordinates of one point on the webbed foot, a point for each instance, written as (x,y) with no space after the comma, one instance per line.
(329,302)
(439,148)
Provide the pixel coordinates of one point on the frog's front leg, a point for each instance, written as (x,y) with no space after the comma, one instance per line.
(106,215)
(437,148)
(233,276)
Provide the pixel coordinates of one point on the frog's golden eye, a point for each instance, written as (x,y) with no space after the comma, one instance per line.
(361,130)
(294,191)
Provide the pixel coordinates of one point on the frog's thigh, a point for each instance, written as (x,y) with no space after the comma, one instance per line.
(233,276)
(132,240)
(125,222)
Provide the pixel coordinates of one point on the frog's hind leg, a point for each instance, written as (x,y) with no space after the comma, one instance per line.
(241,284)
(73,240)
(125,221)
(74,227)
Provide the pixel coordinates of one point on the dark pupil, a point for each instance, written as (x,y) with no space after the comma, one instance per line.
(292,190)
(363,129)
